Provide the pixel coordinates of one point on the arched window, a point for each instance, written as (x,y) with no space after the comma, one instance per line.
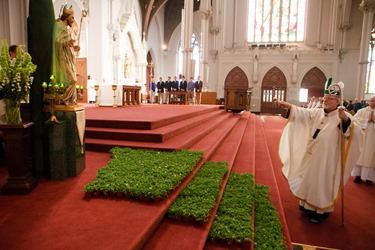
(195,55)
(276,20)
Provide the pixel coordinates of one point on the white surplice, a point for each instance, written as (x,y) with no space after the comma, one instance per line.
(313,166)
(365,166)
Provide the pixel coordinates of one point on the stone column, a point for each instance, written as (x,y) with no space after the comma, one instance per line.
(186,33)
(204,13)
(367,6)
(215,28)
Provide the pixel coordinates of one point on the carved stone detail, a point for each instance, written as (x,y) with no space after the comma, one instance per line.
(367,6)
(205,14)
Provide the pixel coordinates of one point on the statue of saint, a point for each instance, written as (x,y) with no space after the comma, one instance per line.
(63,56)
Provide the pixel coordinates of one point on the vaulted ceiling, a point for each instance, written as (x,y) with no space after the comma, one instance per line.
(149,8)
(172,15)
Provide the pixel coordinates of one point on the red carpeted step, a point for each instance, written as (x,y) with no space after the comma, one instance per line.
(155,135)
(264,174)
(184,235)
(180,141)
(244,163)
(142,218)
(218,135)
(143,116)
(245,160)
(154,213)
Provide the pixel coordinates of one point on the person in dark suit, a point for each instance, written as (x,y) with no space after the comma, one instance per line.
(198,90)
(173,87)
(183,87)
(175,83)
(160,87)
(357,105)
(167,89)
(350,107)
(183,84)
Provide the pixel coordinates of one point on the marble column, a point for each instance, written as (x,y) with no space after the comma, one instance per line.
(186,33)
(368,13)
(204,13)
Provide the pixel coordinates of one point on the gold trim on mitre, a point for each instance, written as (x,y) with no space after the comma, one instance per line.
(68,9)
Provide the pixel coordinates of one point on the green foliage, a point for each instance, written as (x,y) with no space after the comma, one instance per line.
(199,197)
(153,174)
(268,233)
(15,74)
(143,173)
(233,218)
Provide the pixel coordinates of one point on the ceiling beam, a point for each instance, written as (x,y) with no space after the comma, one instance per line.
(149,8)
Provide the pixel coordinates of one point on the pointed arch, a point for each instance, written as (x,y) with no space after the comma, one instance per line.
(314,80)
(236,79)
(274,85)
(235,89)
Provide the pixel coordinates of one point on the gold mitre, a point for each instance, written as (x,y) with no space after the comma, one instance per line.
(67,9)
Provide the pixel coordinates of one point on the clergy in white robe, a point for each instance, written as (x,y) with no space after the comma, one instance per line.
(365,166)
(311,103)
(311,153)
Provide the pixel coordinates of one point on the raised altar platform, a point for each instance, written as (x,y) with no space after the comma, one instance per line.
(123,95)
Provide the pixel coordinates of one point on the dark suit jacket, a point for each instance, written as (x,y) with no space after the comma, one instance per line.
(198,86)
(183,85)
(174,85)
(167,85)
(160,86)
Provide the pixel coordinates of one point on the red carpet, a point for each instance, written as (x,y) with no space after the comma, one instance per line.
(56,215)
(265,175)
(182,235)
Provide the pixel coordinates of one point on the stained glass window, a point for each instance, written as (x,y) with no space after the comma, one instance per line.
(276,20)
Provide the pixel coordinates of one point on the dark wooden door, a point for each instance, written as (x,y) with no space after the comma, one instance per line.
(235,91)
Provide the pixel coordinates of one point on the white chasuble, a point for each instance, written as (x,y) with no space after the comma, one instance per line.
(310,150)
(367,157)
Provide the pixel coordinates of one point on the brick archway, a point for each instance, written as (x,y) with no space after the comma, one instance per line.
(274,84)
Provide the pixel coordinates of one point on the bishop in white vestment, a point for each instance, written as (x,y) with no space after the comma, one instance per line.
(311,152)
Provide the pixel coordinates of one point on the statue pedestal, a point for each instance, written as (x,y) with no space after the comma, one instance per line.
(17,144)
(66,150)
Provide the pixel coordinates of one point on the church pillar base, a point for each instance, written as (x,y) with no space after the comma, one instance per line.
(66,149)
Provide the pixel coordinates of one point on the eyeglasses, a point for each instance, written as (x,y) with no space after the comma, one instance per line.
(329,98)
